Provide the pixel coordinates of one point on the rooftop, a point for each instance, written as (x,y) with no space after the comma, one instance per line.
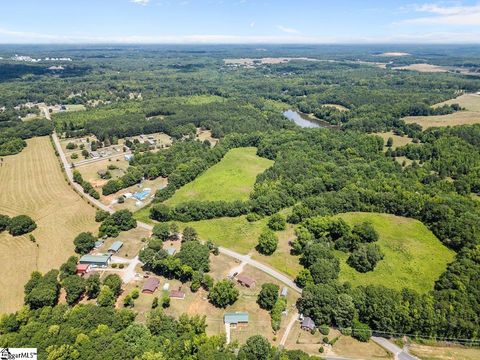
(94,258)
(236,317)
(115,246)
(308,323)
(151,284)
(245,280)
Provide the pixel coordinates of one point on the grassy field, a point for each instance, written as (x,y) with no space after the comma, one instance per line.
(444,353)
(32,183)
(397,140)
(337,106)
(471,102)
(231,179)
(414,257)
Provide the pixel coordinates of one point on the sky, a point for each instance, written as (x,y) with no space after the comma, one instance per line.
(238,21)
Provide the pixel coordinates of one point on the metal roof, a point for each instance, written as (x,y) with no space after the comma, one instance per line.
(171,251)
(235,318)
(94,259)
(115,246)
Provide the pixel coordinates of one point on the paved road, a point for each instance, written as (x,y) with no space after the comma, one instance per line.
(397,352)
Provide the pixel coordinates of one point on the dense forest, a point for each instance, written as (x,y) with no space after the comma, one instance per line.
(317,173)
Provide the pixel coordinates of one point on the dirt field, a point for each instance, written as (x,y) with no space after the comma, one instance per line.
(444,353)
(422,68)
(471,102)
(32,183)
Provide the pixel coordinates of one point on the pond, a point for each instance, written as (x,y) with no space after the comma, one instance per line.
(304,120)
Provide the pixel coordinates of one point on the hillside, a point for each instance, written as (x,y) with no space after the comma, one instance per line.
(414,257)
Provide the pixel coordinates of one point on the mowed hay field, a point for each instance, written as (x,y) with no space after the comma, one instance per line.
(231,179)
(414,257)
(32,183)
(469,116)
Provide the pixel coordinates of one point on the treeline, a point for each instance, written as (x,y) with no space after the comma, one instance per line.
(14,132)
(86,186)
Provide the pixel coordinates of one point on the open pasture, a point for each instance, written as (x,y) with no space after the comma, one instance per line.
(33,184)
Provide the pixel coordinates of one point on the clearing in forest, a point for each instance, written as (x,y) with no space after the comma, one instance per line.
(469,116)
(229,180)
(414,257)
(33,184)
(397,140)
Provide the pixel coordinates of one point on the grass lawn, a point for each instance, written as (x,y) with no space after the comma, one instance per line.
(231,179)
(444,353)
(397,140)
(471,102)
(414,257)
(32,183)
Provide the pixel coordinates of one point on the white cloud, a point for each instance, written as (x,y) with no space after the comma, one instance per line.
(252,24)
(140,2)
(446,14)
(8,36)
(287,29)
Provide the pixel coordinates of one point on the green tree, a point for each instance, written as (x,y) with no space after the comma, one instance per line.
(366,232)
(93,286)
(361,331)
(106,297)
(101,215)
(69,267)
(325,270)
(114,282)
(84,242)
(365,257)
(304,278)
(277,222)
(189,234)
(255,348)
(268,296)
(21,224)
(4,221)
(267,242)
(75,287)
(161,231)
(344,311)
(223,293)
(195,255)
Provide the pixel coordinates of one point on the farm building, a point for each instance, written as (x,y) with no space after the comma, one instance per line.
(115,247)
(98,243)
(95,260)
(82,269)
(308,324)
(150,285)
(177,294)
(171,251)
(246,281)
(236,318)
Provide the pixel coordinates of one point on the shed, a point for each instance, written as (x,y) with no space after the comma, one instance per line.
(82,268)
(284,292)
(117,245)
(95,260)
(150,285)
(177,294)
(128,157)
(98,243)
(308,324)
(246,281)
(236,318)
(102,173)
(171,251)
(166,286)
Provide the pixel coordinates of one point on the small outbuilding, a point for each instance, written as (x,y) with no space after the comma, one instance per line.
(82,269)
(128,157)
(116,246)
(171,251)
(236,318)
(246,281)
(102,173)
(308,324)
(150,285)
(98,243)
(177,294)
(284,292)
(95,260)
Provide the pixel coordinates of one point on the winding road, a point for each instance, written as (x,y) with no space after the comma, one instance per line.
(399,353)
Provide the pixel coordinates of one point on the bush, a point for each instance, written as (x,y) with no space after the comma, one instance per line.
(71,146)
(361,331)
(325,340)
(267,242)
(165,301)
(252,217)
(20,225)
(155,302)
(324,329)
(114,265)
(121,266)
(277,222)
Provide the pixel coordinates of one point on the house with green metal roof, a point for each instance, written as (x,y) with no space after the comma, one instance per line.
(95,260)
(236,318)
(117,245)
